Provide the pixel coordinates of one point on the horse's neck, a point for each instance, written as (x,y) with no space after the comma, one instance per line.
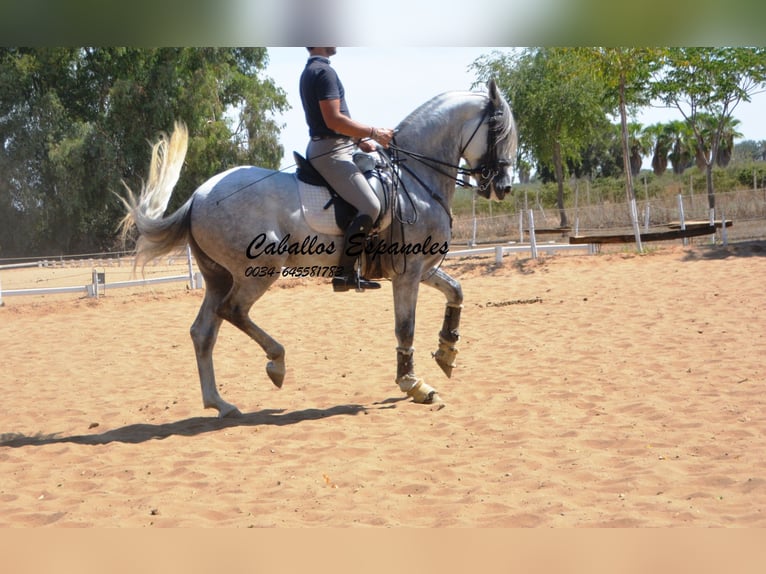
(436,129)
(437,146)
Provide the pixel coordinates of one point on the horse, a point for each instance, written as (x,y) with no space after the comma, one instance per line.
(246,229)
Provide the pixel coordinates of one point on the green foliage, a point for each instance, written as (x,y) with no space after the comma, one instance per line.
(558,100)
(74,122)
(562,98)
(705,85)
(555,98)
(745,172)
(600,190)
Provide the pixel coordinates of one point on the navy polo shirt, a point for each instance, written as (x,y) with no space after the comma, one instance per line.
(320,82)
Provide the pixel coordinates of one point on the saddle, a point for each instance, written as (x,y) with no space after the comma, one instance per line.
(344,212)
(305,172)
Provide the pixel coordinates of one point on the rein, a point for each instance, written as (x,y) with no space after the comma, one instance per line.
(487,169)
(429,161)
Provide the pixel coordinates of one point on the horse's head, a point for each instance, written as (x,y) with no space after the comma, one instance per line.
(492,147)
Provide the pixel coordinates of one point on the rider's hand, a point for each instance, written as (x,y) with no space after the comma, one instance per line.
(368,146)
(382,135)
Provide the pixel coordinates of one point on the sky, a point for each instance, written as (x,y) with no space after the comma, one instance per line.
(383,85)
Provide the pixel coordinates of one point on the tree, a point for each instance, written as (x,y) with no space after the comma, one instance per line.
(699,81)
(682,146)
(558,103)
(639,145)
(726,146)
(625,73)
(74,122)
(750,150)
(660,136)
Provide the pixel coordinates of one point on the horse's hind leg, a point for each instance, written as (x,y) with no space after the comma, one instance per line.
(449,335)
(204,332)
(235,308)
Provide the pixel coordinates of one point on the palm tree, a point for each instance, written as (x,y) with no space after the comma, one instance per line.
(708,129)
(726,146)
(639,146)
(660,137)
(681,153)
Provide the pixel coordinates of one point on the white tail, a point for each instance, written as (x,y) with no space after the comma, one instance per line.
(159,235)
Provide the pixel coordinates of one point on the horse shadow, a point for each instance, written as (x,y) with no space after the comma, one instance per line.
(195,426)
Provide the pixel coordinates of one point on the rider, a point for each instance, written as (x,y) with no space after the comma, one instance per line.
(333,137)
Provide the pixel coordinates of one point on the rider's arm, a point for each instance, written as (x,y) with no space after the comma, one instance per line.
(344,125)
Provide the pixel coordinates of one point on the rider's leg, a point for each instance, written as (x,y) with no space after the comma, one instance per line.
(354,242)
(333,159)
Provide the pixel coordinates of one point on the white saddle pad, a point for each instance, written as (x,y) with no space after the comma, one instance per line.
(313,200)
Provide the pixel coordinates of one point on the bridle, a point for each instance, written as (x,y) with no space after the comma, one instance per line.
(489,166)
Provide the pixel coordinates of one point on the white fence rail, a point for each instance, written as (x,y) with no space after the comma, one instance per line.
(534,247)
(98,285)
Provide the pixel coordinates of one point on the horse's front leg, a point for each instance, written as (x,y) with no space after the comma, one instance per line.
(405,289)
(449,335)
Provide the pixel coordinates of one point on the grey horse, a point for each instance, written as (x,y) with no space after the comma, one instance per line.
(246,228)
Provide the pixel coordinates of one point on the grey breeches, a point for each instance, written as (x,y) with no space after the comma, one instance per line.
(332,158)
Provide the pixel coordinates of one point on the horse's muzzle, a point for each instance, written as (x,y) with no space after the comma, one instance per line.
(501,192)
(501,186)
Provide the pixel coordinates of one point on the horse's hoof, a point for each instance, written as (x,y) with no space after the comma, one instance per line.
(445,367)
(445,357)
(424,394)
(229,413)
(276,372)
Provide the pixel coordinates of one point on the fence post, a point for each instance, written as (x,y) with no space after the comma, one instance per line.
(192,281)
(532,238)
(93,291)
(646,218)
(724,232)
(681,218)
(634,224)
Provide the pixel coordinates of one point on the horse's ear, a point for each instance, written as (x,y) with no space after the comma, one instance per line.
(494,93)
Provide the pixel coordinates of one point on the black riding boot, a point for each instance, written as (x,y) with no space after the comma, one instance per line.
(349,276)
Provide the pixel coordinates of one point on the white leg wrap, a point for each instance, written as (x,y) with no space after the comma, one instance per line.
(408,382)
(421,392)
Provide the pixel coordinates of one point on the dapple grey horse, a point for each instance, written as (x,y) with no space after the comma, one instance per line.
(246,229)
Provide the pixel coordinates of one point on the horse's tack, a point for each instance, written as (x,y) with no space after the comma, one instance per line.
(324,210)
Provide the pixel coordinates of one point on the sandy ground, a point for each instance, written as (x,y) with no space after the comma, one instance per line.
(602,390)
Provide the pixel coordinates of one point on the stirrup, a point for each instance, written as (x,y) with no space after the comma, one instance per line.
(341,283)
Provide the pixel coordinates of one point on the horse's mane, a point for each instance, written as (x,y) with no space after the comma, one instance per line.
(431,111)
(427,111)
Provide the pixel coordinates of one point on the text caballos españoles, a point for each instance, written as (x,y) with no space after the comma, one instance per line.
(358,244)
